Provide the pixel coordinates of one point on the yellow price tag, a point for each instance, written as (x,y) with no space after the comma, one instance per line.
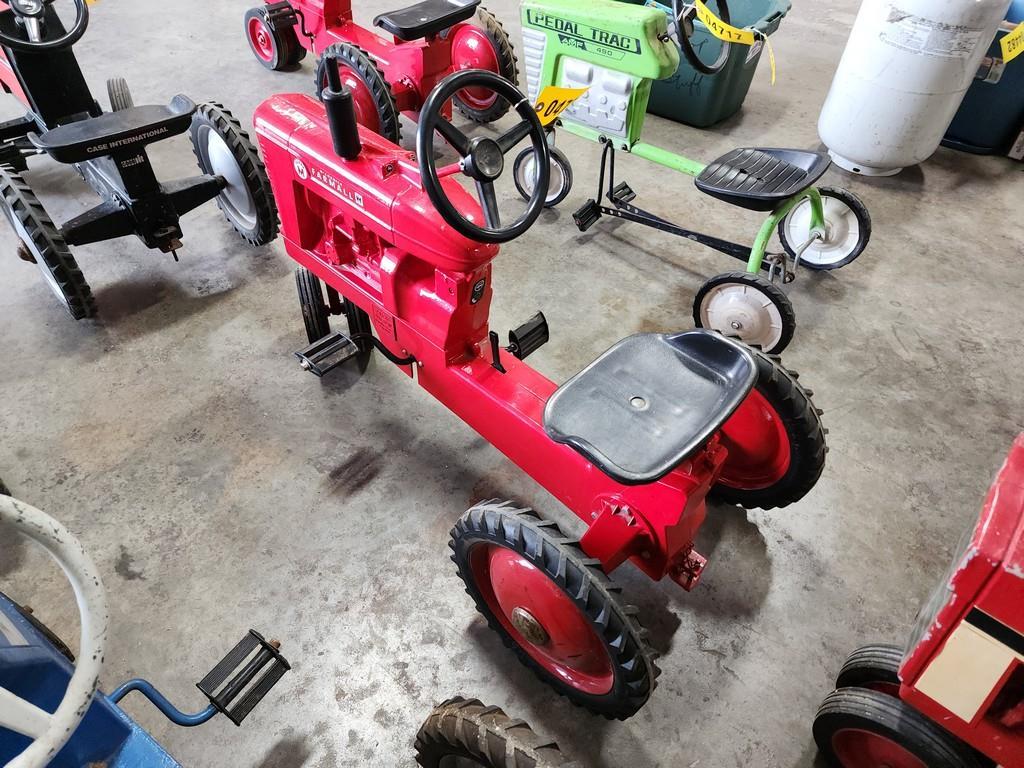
(554,100)
(1013,44)
(721,30)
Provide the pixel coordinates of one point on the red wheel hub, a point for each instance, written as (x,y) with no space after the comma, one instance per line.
(363,102)
(473,49)
(542,619)
(261,38)
(857,748)
(758,444)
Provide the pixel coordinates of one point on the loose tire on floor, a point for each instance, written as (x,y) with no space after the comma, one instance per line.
(119,94)
(223,148)
(484,736)
(315,313)
(276,48)
(483,46)
(848,225)
(747,306)
(875,667)
(555,608)
(372,98)
(776,442)
(524,175)
(858,728)
(41,242)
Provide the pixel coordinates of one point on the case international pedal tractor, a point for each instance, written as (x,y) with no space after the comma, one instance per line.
(953,697)
(615,50)
(632,444)
(38,65)
(431,39)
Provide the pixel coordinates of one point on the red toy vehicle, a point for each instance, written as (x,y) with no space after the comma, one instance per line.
(954,698)
(431,40)
(633,444)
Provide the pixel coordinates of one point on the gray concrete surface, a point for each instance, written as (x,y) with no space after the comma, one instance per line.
(218,487)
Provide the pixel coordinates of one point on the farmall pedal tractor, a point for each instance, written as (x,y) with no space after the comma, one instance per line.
(387,77)
(616,50)
(52,712)
(633,444)
(38,66)
(954,696)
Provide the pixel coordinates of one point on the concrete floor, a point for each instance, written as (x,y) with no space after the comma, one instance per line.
(219,488)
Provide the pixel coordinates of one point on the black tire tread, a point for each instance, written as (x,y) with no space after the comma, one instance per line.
(119,94)
(776,294)
(311,301)
(871,664)
(507,67)
(253,170)
(362,64)
(582,579)
(19,200)
(863,216)
(286,42)
(467,728)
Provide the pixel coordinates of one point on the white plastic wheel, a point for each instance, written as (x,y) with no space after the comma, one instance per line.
(847,229)
(525,176)
(747,306)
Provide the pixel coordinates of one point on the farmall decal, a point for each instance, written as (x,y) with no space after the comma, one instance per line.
(573,33)
(334,184)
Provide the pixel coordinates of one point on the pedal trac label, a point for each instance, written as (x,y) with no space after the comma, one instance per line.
(575,34)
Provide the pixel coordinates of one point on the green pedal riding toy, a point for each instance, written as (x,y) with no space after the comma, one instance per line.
(615,50)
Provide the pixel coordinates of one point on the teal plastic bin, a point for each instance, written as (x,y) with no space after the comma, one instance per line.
(703,100)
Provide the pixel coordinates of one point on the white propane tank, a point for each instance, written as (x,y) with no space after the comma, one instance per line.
(902,77)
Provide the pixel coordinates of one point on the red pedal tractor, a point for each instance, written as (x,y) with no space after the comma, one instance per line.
(953,697)
(633,444)
(431,40)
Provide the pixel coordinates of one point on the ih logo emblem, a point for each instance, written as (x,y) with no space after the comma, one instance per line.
(300,169)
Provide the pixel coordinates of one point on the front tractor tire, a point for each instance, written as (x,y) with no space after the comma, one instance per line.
(276,48)
(555,608)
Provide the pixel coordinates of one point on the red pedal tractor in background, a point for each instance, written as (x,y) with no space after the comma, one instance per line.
(633,444)
(954,697)
(431,40)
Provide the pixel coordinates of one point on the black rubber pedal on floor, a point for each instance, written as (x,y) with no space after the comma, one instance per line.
(622,194)
(233,677)
(326,354)
(587,215)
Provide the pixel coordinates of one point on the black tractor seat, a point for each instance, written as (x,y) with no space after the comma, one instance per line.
(115,132)
(651,401)
(760,179)
(427,18)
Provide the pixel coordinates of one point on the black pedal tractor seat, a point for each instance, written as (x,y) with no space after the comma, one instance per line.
(650,402)
(116,132)
(760,179)
(427,18)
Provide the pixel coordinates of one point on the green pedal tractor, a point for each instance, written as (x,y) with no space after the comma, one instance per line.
(616,50)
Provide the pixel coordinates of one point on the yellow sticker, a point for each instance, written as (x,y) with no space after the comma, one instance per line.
(721,30)
(1013,44)
(554,100)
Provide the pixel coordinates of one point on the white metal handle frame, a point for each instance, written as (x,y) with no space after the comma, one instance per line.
(50,732)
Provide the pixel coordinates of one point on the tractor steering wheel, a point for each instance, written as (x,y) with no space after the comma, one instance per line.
(51,732)
(685,14)
(481,158)
(23,26)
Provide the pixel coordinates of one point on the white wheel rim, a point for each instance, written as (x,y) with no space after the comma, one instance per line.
(842,231)
(528,178)
(745,311)
(30,244)
(220,161)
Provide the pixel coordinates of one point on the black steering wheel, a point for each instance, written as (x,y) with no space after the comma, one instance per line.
(685,14)
(25,26)
(482,158)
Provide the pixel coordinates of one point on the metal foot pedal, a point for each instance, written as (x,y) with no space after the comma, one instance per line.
(281,15)
(622,194)
(587,215)
(233,678)
(528,337)
(326,354)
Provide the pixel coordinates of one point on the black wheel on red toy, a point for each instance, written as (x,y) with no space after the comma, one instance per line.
(42,244)
(464,732)
(276,48)
(875,667)
(555,608)
(315,313)
(858,728)
(775,439)
(119,94)
(484,45)
(371,94)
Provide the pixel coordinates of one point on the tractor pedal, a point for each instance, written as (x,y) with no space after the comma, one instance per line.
(326,354)
(528,337)
(281,15)
(622,194)
(235,673)
(586,216)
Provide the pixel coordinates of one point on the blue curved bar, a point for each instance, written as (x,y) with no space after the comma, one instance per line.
(169,711)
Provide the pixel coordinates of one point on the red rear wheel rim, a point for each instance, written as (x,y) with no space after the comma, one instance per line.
(857,748)
(573,652)
(367,112)
(473,49)
(262,39)
(758,444)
